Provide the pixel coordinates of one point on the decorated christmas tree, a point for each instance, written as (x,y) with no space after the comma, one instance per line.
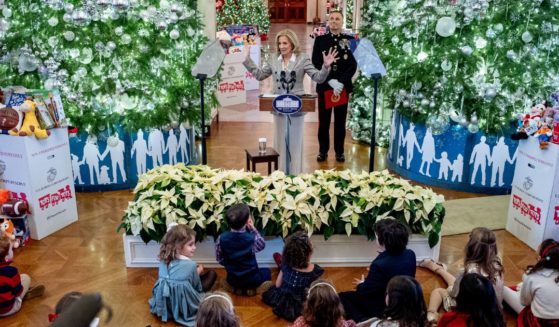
(115,62)
(238,12)
(475,62)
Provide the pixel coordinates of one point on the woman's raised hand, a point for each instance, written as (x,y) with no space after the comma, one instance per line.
(330,57)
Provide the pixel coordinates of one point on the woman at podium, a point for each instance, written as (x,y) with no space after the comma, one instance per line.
(288,71)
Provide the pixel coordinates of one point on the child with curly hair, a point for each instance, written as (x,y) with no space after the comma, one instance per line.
(297,273)
(178,289)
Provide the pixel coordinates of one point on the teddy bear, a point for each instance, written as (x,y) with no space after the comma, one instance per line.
(30,125)
(9,118)
(7,227)
(530,123)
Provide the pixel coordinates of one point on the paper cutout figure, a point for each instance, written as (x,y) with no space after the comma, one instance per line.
(91,157)
(140,147)
(499,157)
(410,141)
(401,143)
(183,141)
(481,156)
(156,144)
(76,168)
(116,148)
(104,175)
(392,136)
(428,149)
(445,165)
(458,168)
(172,146)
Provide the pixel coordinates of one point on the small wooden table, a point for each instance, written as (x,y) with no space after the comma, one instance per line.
(255,157)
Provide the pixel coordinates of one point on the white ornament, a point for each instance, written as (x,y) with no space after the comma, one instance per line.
(527,37)
(467,50)
(480,42)
(421,56)
(446,65)
(445,26)
(69,35)
(174,34)
(53,21)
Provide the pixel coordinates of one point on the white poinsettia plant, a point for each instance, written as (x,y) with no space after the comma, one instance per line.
(325,202)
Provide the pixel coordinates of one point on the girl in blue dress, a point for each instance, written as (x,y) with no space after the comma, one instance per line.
(296,275)
(181,283)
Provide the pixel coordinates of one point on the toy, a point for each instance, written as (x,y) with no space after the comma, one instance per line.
(9,118)
(545,132)
(30,124)
(530,123)
(7,227)
(4,196)
(15,207)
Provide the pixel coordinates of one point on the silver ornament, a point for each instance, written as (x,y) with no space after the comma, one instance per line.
(69,36)
(174,34)
(446,65)
(80,17)
(473,128)
(467,50)
(53,21)
(527,37)
(111,46)
(69,7)
(126,39)
(445,26)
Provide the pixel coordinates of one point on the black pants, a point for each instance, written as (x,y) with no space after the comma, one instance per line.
(360,308)
(208,278)
(324,118)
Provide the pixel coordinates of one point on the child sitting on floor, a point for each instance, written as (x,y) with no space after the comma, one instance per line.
(537,299)
(323,308)
(14,287)
(217,310)
(178,289)
(236,251)
(295,276)
(480,257)
(368,300)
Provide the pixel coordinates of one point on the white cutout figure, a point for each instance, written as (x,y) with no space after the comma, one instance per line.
(499,157)
(171,147)
(183,141)
(428,149)
(156,144)
(115,146)
(91,157)
(444,165)
(392,135)
(458,168)
(401,143)
(76,168)
(141,148)
(410,141)
(104,175)
(514,156)
(481,156)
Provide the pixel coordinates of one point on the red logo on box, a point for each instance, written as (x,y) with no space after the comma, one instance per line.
(556,217)
(226,87)
(526,209)
(53,199)
(555,138)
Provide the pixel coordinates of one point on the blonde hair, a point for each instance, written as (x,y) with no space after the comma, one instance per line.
(292,37)
(175,238)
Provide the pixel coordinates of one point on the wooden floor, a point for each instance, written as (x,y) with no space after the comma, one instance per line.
(88,256)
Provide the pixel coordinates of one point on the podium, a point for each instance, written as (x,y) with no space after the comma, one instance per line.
(534,208)
(289,131)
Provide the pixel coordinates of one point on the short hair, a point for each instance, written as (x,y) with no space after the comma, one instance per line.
(175,238)
(216,310)
(392,234)
(297,250)
(337,11)
(292,37)
(237,216)
(4,246)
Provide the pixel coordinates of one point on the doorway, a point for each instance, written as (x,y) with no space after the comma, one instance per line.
(288,11)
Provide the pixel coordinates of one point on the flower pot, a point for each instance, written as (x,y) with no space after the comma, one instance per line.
(337,251)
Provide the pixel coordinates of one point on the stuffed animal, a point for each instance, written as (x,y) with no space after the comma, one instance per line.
(4,196)
(9,118)
(530,123)
(30,124)
(15,208)
(545,132)
(7,227)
